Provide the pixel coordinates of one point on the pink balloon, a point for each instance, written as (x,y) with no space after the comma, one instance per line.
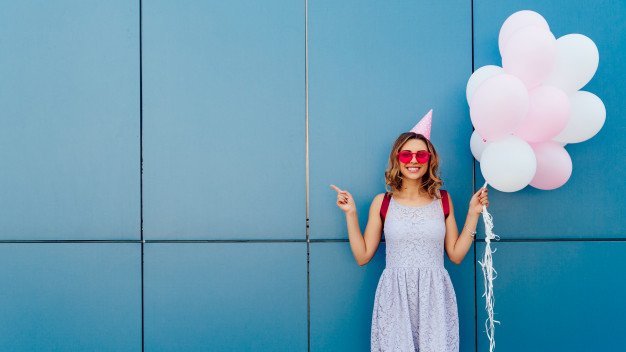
(554,166)
(530,54)
(548,114)
(498,106)
(517,21)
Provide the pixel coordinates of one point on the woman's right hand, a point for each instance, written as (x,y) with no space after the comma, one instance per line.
(345,201)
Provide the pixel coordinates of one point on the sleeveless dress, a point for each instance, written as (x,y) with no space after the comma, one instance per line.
(415,306)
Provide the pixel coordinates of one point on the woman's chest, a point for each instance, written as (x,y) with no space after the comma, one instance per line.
(408,222)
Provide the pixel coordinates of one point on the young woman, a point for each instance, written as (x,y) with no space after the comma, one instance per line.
(415,306)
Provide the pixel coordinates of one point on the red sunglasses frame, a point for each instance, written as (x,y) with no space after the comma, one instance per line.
(422,156)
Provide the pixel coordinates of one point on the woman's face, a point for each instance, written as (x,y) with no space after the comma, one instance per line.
(414,169)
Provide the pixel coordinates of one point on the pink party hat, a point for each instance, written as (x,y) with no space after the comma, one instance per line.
(423,127)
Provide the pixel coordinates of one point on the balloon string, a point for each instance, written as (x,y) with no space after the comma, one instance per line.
(488,276)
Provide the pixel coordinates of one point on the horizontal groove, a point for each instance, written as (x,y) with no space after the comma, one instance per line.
(224,241)
(151,241)
(601,239)
(604,239)
(70,241)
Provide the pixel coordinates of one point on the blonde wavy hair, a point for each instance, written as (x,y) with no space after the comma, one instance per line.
(430,181)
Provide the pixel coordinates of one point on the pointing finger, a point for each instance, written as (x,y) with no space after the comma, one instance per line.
(337,189)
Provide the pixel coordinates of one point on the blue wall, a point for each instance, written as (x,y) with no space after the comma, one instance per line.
(153,185)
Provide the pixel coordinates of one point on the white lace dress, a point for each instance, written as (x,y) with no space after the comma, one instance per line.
(415,307)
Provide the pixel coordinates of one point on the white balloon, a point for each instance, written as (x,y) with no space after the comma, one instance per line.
(587,116)
(508,164)
(477,145)
(478,77)
(576,62)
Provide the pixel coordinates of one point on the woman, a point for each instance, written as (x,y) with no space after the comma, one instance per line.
(415,307)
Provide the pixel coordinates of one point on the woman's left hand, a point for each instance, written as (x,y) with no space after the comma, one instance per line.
(479,199)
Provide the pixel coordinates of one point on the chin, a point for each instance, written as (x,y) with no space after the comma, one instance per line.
(413,176)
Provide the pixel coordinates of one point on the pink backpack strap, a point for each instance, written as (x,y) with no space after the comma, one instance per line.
(385,206)
(445,203)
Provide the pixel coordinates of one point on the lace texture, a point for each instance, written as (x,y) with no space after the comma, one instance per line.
(415,306)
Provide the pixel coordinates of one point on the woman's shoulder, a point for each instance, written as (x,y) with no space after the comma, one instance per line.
(448,199)
(379,197)
(441,192)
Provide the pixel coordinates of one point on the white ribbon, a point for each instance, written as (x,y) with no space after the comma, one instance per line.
(488,276)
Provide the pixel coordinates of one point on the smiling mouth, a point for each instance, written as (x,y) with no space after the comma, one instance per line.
(413,169)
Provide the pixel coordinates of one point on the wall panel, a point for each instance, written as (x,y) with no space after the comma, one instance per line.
(223,119)
(582,207)
(70,297)
(69,120)
(225,297)
(557,296)
(342,297)
(375,69)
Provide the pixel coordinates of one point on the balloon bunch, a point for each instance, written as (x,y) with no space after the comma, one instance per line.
(526,111)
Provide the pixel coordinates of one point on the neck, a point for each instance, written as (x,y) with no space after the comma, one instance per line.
(412,189)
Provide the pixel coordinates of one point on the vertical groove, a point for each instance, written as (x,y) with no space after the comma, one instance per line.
(473,191)
(306,181)
(141,170)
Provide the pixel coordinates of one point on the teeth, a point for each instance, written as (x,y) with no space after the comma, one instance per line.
(413,169)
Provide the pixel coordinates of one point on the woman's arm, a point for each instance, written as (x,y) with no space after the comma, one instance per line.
(364,247)
(457,245)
